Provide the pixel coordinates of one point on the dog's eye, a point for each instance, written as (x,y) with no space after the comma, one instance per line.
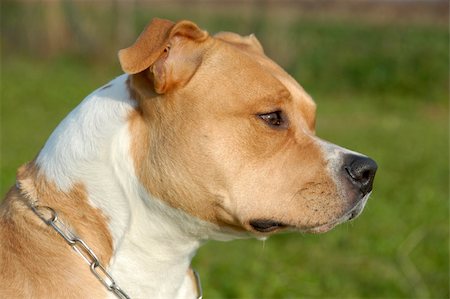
(274,119)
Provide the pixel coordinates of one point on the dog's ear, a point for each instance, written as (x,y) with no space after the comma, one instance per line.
(249,42)
(167,50)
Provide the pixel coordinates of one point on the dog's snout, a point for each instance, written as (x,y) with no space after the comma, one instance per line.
(361,171)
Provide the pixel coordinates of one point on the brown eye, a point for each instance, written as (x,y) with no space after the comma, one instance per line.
(274,119)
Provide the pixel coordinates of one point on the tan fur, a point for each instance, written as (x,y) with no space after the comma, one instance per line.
(35,261)
(248,43)
(201,147)
(154,41)
(147,48)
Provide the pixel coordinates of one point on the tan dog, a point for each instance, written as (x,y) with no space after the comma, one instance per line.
(204,137)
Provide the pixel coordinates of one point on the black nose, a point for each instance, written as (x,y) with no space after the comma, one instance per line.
(361,171)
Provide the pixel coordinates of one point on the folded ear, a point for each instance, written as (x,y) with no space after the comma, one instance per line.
(147,48)
(161,40)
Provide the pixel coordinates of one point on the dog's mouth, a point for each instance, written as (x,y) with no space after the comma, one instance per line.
(266,225)
(270,225)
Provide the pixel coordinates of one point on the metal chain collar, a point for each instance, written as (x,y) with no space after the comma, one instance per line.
(50,217)
(198,285)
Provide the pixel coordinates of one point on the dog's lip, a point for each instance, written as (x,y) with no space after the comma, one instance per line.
(264,225)
(267,225)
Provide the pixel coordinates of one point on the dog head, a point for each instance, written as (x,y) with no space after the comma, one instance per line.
(226,135)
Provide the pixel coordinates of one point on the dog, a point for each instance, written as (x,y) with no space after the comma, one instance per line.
(203,137)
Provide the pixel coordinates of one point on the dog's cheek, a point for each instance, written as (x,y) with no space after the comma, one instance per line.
(293,186)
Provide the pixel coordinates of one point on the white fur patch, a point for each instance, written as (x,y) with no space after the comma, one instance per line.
(84,136)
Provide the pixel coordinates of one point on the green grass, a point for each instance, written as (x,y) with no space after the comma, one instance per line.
(380,89)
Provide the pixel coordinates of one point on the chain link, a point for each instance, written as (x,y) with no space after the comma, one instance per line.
(198,285)
(50,217)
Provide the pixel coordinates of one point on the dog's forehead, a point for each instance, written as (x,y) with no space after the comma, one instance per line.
(250,77)
(297,92)
(263,71)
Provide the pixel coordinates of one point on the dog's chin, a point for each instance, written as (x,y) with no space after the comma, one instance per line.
(351,214)
(270,226)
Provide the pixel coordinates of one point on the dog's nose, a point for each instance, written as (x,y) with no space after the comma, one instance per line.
(361,171)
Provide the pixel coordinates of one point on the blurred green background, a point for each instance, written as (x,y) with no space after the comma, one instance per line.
(378,71)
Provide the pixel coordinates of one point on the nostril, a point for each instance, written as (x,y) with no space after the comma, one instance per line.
(366,175)
(361,171)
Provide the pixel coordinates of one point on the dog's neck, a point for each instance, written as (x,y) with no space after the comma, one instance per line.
(153,244)
(153,254)
(154,249)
